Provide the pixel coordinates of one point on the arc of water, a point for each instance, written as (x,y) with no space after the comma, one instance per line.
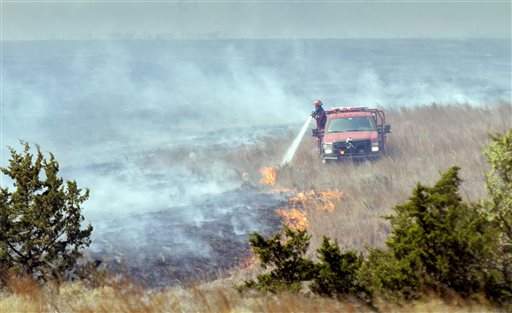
(290,153)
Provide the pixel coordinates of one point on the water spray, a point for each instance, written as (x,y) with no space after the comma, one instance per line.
(290,153)
(269,174)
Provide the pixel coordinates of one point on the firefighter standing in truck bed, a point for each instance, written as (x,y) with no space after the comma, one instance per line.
(319,115)
(321,118)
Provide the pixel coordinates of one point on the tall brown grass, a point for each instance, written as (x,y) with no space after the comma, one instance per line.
(425,140)
(74,297)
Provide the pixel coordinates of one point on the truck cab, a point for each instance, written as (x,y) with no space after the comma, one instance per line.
(353,133)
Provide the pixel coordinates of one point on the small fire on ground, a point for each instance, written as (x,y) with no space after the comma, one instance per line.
(324,201)
(268,176)
(301,204)
(293,218)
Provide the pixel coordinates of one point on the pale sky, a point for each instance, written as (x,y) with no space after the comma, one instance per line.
(35,20)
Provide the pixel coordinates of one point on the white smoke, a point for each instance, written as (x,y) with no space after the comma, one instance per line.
(94,103)
(102,107)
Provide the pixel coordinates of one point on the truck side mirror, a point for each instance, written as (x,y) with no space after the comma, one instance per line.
(387,129)
(314,132)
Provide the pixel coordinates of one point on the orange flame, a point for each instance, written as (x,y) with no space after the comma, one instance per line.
(323,201)
(294,218)
(294,215)
(268,176)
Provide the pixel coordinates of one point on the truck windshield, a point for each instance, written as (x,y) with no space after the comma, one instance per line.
(339,125)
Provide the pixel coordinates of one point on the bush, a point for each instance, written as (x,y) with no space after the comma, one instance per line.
(499,208)
(499,183)
(40,220)
(337,272)
(437,242)
(382,273)
(284,256)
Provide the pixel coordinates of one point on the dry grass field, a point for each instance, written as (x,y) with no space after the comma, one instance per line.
(26,297)
(425,141)
(345,201)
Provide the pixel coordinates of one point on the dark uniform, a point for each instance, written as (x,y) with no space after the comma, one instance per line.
(321,118)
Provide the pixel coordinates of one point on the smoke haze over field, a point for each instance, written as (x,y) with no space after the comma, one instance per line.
(106,105)
(118,87)
(146,124)
(35,20)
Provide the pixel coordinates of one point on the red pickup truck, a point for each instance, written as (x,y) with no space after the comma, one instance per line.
(353,133)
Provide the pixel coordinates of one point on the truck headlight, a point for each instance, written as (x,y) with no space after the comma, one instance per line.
(328,148)
(375,146)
